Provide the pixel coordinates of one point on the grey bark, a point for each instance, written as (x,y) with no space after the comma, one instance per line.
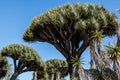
(117,62)
(95,56)
(14,76)
(105,58)
(35,76)
(58,77)
(51,77)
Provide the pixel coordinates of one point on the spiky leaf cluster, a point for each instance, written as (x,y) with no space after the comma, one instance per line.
(3,66)
(24,54)
(97,35)
(113,51)
(71,16)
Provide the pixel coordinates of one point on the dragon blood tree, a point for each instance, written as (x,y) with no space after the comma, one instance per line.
(69,29)
(24,57)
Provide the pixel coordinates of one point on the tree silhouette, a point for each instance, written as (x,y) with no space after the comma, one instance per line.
(69,28)
(25,59)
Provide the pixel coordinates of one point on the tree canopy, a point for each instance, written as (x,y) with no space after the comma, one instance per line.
(70,28)
(22,52)
(25,58)
(60,25)
(56,68)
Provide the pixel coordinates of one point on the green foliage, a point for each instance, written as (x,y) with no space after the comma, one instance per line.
(56,66)
(77,62)
(42,75)
(53,66)
(98,19)
(4,66)
(97,35)
(24,54)
(69,25)
(74,78)
(113,51)
(83,16)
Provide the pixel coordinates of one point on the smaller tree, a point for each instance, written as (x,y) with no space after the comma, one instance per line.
(3,66)
(56,69)
(25,59)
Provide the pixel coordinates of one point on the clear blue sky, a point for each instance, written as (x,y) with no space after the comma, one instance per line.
(16,16)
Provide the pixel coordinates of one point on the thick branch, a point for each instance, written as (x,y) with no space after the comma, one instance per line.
(21,67)
(97,60)
(15,65)
(58,47)
(102,54)
(56,43)
(61,33)
(52,34)
(83,47)
(38,35)
(27,69)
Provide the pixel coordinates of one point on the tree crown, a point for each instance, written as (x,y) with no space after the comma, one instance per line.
(78,16)
(23,53)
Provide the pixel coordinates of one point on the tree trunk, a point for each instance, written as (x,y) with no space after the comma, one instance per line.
(51,77)
(117,67)
(77,72)
(103,55)
(57,77)
(14,76)
(62,78)
(35,76)
(82,73)
(92,66)
(96,58)
(1,79)
(117,63)
(72,70)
